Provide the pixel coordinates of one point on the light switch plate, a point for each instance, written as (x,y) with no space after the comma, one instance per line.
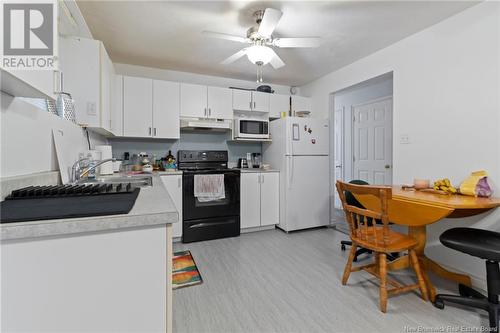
(91,108)
(404,139)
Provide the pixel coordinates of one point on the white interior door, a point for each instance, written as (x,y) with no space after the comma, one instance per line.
(373,142)
(338,153)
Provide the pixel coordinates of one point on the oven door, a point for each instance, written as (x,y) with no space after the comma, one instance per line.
(193,209)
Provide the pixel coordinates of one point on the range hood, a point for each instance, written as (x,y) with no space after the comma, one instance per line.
(193,124)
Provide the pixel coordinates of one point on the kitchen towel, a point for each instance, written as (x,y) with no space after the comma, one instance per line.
(209,187)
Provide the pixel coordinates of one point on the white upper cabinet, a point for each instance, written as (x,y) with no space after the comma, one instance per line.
(242,100)
(260,101)
(87,72)
(198,101)
(278,104)
(117,105)
(150,108)
(219,103)
(193,100)
(300,103)
(137,107)
(166,108)
(246,100)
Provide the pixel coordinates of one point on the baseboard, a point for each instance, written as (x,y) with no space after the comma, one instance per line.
(477,282)
(267,227)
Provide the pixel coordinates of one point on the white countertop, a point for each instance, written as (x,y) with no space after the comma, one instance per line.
(152,207)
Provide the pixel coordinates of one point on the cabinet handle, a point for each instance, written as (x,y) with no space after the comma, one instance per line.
(262,179)
(150,131)
(250,105)
(155,131)
(179,183)
(254,105)
(209,111)
(205,112)
(258,178)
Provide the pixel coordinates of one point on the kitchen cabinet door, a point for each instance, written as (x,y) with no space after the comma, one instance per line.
(193,100)
(137,107)
(219,103)
(278,104)
(250,200)
(117,105)
(106,76)
(300,103)
(270,198)
(166,109)
(242,100)
(260,101)
(81,67)
(173,184)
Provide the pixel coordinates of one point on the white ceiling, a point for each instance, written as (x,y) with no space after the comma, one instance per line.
(166,34)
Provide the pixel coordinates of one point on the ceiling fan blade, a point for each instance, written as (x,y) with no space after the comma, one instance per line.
(224,36)
(269,22)
(297,42)
(276,61)
(235,57)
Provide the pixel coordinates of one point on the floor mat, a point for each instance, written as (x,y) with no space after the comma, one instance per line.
(184,272)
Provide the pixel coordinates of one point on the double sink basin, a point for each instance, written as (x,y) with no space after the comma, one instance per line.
(134,180)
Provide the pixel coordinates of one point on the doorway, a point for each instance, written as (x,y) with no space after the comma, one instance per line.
(361,119)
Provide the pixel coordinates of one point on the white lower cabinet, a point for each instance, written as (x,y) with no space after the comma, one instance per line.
(259,199)
(173,184)
(269,198)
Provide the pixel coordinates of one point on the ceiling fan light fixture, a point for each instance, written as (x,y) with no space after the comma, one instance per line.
(259,53)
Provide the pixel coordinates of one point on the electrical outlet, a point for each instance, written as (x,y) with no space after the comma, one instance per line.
(91,109)
(404,139)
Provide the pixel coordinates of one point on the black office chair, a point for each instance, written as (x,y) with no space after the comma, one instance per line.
(483,244)
(352,201)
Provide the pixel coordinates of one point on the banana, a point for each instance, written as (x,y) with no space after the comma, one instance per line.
(445,186)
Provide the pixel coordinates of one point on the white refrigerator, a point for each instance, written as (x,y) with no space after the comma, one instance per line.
(299,149)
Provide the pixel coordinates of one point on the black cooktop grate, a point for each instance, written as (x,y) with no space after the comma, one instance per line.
(57,191)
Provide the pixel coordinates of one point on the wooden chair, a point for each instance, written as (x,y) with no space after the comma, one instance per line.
(378,238)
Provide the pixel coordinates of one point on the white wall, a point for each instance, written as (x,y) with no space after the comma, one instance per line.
(446,98)
(170,75)
(27,145)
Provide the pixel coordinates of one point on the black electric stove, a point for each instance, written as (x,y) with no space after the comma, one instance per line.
(67,201)
(204,220)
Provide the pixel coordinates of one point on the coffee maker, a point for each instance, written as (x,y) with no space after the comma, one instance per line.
(256,160)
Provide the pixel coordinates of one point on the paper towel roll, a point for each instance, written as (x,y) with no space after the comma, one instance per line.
(106,152)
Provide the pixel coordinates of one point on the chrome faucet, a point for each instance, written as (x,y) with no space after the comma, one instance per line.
(76,169)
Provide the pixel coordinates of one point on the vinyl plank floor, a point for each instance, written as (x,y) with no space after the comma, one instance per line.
(270,281)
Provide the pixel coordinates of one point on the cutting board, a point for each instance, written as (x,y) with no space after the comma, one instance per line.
(65,153)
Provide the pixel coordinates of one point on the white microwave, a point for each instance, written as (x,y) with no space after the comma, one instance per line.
(251,128)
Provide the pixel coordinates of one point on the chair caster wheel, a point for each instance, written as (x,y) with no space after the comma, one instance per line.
(438,303)
(342,247)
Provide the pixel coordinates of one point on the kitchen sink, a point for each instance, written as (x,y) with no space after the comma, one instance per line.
(136,181)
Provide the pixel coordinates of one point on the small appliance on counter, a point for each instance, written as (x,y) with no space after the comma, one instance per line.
(256,160)
(242,163)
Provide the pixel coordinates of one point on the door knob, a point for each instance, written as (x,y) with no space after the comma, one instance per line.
(387,166)
(339,166)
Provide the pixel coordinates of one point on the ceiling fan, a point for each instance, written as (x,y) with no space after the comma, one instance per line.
(260,37)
